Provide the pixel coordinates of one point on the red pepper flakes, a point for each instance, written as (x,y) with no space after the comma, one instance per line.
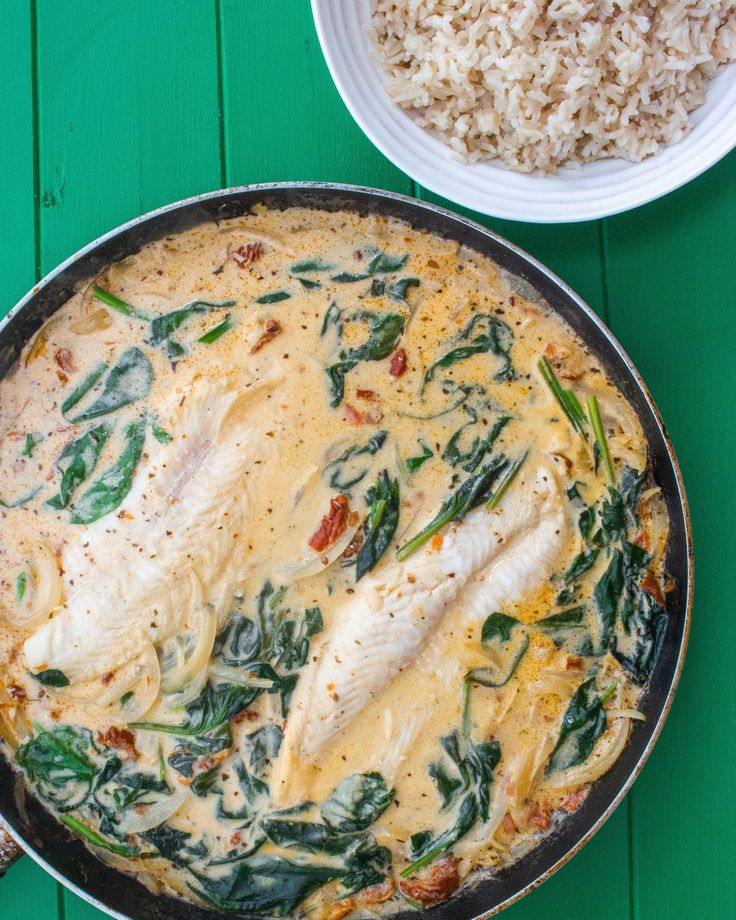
(365,394)
(16,692)
(120,738)
(332,526)
(398,363)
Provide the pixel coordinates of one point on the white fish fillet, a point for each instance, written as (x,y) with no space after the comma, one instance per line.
(144,578)
(490,558)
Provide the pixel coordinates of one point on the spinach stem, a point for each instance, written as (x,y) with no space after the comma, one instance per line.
(423,861)
(506,481)
(116,303)
(568,401)
(96,839)
(600,436)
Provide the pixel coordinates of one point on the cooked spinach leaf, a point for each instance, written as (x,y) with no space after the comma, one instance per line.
(213,334)
(381,264)
(190,758)
(505,641)
(475,772)
(81,390)
(385,330)
(357,803)
(606,596)
(161,435)
(77,462)
(397,290)
(273,297)
(31,442)
(163,327)
(309,284)
(172,844)
(348,469)
(127,382)
(111,488)
(310,265)
(472,492)
(264,884)
(333,317)
(647,622)
(51,677)
(471,458)
(414,463)
(309,836)
(582,725)
(569,628)
(380,523)
(61,764)
(497,340)
(581,564)
(239,642)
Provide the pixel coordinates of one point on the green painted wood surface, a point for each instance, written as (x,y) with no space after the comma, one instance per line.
(109,109)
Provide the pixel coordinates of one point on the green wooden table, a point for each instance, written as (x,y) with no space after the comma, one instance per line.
(109,109)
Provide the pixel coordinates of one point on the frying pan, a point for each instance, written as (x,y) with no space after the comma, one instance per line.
(65,857)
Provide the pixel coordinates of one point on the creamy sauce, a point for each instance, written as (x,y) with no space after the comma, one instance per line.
(213,452)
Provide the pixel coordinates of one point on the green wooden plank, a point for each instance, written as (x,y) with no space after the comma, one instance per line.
(17,243)
(283,117)
(128,113)
(672,284)
(29,893)
(16,116)
(592,886)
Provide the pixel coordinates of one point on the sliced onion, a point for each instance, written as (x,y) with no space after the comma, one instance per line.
(92,322)
(402,470)
(190,692)
(609,748)
(318,562)
(188,668)
(626,714)
(133,822)
(554,683)
(14,729)
(141,676)
(239,678)
(44,588)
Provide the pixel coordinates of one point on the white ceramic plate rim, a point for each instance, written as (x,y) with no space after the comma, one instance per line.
(596,190)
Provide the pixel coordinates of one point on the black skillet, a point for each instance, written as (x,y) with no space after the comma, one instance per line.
(65,857)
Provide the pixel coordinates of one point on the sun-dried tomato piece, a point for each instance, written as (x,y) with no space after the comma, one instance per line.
(248,253)
(332,526)
(398,363)
(538,817)
(63,358)
(120,738)
(650,584)
(436,883)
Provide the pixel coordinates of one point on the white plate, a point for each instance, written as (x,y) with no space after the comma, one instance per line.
(595,190)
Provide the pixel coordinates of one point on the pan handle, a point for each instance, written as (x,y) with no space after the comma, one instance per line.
(10,852)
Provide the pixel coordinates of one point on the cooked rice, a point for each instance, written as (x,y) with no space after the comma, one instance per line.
(538,85)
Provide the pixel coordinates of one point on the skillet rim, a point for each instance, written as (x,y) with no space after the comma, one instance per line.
(412,208)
